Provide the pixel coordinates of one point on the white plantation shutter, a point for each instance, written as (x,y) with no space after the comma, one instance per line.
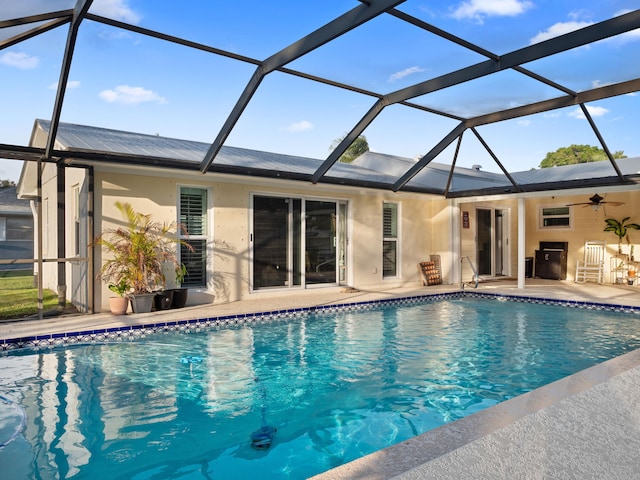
(390,240)
(193,217)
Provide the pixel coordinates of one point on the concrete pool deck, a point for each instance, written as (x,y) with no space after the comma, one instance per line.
(583,426)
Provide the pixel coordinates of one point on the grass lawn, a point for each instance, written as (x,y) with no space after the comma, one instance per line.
(20,298)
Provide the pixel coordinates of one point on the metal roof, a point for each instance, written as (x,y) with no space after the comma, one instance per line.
(370,169)
(10,204)
(438,93)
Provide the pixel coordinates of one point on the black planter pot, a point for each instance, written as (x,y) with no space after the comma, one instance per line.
(179,297)
(163,300)
(142,303)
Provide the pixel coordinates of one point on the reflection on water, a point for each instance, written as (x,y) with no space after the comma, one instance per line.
(335,387)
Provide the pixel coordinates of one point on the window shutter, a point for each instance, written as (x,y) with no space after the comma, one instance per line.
(193,210)
(389,227)
(193,217)
(195,262)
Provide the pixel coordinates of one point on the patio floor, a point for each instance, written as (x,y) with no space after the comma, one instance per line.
(583,426)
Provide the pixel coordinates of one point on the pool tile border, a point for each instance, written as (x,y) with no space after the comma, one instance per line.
(133,332)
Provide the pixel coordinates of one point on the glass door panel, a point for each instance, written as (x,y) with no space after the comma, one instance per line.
(320,242)
(342,243)
(484,245)
(270,242)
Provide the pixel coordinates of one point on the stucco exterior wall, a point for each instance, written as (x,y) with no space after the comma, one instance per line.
(231,221)
(440,214)
(427,225)
(49,228)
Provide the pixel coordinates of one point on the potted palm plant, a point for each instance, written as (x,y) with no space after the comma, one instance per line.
(139,252)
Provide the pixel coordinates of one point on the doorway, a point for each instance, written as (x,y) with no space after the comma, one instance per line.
(492,242)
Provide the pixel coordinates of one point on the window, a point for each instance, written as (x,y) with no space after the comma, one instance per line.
(3,229)
(193,217)
(18,228)
(390,240)
(555,217)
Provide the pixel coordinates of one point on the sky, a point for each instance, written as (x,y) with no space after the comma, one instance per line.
(125,81)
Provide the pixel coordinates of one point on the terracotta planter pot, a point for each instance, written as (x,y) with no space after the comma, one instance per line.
(119,305)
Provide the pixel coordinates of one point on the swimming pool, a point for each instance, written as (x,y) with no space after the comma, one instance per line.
(336,386)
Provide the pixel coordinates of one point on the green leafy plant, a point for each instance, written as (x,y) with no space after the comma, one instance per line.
(120,288)
(181,272)
(620,228)
(139,252)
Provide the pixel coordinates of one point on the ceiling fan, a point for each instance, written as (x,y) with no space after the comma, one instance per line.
(595,202)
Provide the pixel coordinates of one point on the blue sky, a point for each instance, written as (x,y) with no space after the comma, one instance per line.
(130,82)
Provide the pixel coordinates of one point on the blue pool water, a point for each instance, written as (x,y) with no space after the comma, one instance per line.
(336,387)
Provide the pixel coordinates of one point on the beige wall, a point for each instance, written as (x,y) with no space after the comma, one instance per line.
(231,226)
(427,226)
(49,228)
(441,214)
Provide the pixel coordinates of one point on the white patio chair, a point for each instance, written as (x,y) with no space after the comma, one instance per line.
(591,267)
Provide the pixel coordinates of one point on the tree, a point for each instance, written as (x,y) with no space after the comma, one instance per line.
(357,148)
(577,154)
(7,183)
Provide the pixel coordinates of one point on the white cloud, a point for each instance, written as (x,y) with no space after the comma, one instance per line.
(111,34)
(405,73)
(116,9)
(478,9)
(630,36)
(593,111)
(561,28)
(558,29)
(128,95)
(19,60)
(71,84)
(300,126)
(524,123)
(578,14)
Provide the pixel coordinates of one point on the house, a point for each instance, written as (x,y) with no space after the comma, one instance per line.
(257,225)
(16,232)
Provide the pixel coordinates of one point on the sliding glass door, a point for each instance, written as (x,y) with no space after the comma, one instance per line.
(320,242)
(298,242)
(492,240)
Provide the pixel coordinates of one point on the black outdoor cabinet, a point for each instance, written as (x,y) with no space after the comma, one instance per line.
(551,260)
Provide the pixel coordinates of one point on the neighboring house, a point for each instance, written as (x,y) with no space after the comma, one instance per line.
(257,228)
(16,231)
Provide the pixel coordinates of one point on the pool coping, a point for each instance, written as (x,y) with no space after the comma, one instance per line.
(130,332)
